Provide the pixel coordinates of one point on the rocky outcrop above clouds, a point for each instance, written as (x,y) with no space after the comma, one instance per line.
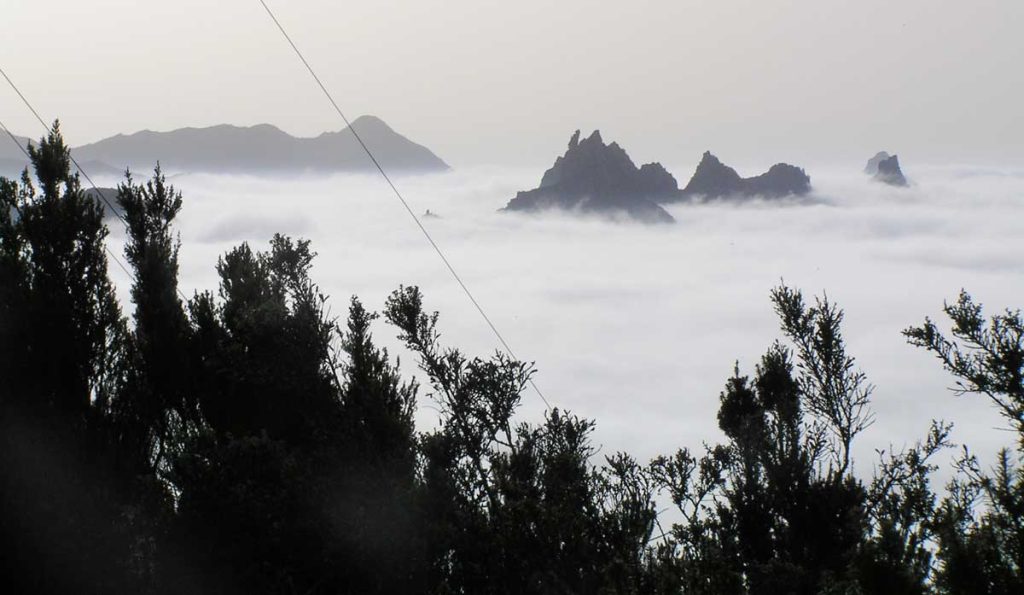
(597,178)
(872,167)
(713,180)
(888,172)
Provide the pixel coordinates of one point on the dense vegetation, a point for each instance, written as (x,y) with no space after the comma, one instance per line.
(247,442)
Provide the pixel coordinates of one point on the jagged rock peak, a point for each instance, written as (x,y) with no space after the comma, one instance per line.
(593,177)
(872,167)
(889,172)
(575,140)
(709,161)
(657,180)
(715,180)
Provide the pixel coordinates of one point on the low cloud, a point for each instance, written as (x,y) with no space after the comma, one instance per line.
(639,327)
(239,228)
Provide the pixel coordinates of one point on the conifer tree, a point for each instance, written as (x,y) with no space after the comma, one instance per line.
(64,353)
(157,403)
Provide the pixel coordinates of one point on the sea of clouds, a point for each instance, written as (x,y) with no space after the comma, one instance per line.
(639,327)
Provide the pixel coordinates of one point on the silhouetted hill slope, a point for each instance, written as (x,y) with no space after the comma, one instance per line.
(10,152)
(110,194)
(889,172)
(12,159)
(11,168)
(715,180)
(592,177)
(263,148)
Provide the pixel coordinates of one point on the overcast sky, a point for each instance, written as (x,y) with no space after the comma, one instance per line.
(482,81)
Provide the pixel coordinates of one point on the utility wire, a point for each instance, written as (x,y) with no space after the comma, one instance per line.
(398,194)
(15,140)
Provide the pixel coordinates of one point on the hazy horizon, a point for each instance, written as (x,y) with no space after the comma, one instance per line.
(494,83)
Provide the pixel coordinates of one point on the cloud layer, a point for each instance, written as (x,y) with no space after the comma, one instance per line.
(639,327)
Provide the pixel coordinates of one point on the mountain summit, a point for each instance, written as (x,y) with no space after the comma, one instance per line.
(872,167)
(713,179)
(598,178)
(889,172)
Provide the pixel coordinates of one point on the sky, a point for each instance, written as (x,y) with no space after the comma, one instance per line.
(497,82)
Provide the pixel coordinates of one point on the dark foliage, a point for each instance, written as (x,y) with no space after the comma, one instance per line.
(777,509)
(245,441)
(63,360)
(982,549)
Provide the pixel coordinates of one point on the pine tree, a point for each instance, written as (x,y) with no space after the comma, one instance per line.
(157,403)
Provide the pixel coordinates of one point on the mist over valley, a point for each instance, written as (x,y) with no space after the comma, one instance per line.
(635,326)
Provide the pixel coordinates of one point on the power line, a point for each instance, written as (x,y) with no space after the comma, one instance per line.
(14,139)
(99,192)
(398,194)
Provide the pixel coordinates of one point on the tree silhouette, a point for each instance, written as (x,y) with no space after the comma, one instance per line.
(982,551)
(516,508)
(64,358)
(778,509)
(246,442)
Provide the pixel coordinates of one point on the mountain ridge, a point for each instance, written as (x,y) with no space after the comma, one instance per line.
(889,172)
(714,180)
(597,178)
(229,148)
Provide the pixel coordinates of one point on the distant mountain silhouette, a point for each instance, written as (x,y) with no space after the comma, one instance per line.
(13,161)
(7,149)
(872,167)
(263,148)
(254,149)
(888,172)
(103,196)
(12,168)
(596,178)
(715,180)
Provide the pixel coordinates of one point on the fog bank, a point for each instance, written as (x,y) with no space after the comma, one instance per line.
(639,327)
